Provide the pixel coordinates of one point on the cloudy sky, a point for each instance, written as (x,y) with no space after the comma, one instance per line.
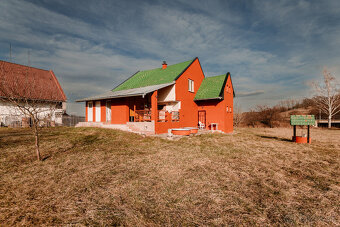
(272,49)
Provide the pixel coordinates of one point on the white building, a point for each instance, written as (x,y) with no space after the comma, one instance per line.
(38,88)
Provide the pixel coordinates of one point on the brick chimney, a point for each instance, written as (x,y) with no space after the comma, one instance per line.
(164,65)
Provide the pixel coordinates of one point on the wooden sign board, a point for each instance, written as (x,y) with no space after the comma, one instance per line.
(302,120)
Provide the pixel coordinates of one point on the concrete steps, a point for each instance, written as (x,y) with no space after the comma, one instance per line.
(135,127)
(117,126)
(143,128)
(89,124)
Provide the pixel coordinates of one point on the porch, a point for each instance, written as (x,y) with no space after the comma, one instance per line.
(162,116)
(159,106)
(156,105)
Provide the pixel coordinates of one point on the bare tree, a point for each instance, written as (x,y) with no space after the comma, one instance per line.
(327,95)
(251,118)
(238,115)
(27,97)
(268,115)
(287,104)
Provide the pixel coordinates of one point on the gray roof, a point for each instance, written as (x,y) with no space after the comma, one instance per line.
(142,91)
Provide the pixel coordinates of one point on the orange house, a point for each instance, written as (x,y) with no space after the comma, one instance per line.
(174,96)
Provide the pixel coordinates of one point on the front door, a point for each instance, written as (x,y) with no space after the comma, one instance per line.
(108,111)
(97,111)
(132,108)
(202,117)
(90,111)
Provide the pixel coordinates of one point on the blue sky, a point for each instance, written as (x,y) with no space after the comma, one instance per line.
(272,49)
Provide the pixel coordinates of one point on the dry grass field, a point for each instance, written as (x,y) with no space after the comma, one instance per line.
(96,176)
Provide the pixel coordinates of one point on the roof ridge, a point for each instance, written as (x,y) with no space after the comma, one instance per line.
(155,76)
(24,65)
(167,66)
(208,77)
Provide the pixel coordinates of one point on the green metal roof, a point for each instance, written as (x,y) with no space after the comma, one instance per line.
(154,76)
(302,120)
(211,88)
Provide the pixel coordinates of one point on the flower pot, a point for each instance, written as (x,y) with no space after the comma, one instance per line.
(181,131)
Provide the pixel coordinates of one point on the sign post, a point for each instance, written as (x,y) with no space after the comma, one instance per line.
(302,120)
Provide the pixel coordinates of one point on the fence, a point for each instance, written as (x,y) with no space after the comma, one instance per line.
(10,121)
(72,120)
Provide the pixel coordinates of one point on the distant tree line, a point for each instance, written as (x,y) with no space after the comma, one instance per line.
(325,104)
(278,115)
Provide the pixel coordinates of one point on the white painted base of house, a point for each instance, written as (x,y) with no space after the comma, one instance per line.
(146,128)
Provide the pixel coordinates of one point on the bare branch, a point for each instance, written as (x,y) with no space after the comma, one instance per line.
(327,95)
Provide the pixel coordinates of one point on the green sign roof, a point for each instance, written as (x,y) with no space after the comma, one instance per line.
(302,120)
(211,88)
(154,76)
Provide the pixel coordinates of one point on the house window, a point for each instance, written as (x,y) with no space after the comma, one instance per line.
(191,85)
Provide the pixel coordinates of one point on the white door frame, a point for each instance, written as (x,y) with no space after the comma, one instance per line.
(90,111)
(98,110)
(108,111)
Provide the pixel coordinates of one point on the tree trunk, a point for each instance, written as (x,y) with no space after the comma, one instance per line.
(329,121)
(36,135)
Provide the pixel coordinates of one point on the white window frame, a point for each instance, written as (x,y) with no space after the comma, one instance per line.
(98,111)
(191,85)
(108,110)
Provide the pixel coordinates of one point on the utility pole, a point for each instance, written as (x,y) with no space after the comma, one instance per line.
(10,52)
(28,58)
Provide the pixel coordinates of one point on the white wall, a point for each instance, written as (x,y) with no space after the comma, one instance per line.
(167,94)
(8,111)
(173,107)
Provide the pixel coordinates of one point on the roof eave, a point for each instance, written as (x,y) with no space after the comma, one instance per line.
(108,97)
(132,93)
(218,98)
(30,99)
(228,75)
(186,68)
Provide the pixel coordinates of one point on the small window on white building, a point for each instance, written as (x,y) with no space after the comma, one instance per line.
(191,85)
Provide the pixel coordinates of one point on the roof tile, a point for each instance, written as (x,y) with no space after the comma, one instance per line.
(29,82)
(154,76)
(211,88)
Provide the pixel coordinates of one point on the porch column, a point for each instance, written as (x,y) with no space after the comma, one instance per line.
(134,112)
(154,110)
